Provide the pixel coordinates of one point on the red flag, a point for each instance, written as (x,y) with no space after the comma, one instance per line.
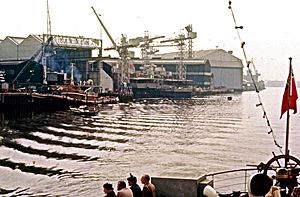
(292,96)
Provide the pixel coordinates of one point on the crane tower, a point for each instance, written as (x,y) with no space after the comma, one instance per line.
(122,50)
(180,42)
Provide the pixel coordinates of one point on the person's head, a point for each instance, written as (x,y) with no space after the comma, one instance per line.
(131,180)
(121,185)
(107,187)
(145,179)
(259,184)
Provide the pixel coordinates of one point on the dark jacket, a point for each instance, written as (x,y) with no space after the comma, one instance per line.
(136,190)
(110,194)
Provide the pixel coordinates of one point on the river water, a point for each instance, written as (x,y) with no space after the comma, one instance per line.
(60,154)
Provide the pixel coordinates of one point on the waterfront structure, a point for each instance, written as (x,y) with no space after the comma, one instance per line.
(22,72)
(207,68)
(101,73)
(16,48)
(198,70)
(226,69)
(61,52)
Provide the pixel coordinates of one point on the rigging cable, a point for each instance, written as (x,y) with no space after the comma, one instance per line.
(252,78)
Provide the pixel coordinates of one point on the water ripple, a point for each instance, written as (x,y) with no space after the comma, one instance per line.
(67,155)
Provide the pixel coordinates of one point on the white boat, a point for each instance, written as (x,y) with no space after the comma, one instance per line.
(84,110)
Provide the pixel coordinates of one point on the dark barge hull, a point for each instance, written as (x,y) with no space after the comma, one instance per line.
(139,93)
(19,105)
(15,105)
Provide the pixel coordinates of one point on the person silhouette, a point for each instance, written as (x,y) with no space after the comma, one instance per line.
(108,190)
(149,188)
(135,188)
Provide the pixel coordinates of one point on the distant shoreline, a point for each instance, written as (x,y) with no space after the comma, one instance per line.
(278,83)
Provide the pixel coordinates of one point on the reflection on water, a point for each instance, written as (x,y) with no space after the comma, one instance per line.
(66,155)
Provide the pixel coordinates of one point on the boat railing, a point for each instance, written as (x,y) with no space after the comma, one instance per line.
(231,180)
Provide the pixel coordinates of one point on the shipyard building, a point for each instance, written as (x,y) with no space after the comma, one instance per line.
(226,69)
(24,58)
(197,70)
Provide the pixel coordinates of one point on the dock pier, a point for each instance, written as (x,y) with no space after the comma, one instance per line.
(9,101)
(15,104)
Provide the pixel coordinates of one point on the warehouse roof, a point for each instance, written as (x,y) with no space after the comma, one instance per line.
(216,57)
(15,40)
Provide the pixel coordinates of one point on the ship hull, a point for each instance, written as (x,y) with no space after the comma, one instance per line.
(139,93)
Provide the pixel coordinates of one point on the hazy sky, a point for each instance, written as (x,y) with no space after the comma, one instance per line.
(271,27)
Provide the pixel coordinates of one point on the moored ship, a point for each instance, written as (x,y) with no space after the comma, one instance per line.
(161,88)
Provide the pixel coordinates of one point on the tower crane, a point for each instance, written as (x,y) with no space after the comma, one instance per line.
(121,49)
(106,31)
(180,40)
(146,43)
(191,35)
(147,49)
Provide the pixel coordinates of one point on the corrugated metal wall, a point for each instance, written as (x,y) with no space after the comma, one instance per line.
(8,50)
(230,78)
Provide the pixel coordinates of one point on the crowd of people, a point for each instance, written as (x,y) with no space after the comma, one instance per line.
(134,189)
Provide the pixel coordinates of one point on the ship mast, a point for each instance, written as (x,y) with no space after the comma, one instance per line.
(72,75)
(46,43)
(48,20)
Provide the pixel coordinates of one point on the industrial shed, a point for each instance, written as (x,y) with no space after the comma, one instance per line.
(9,47)
(62,51)
(226,69)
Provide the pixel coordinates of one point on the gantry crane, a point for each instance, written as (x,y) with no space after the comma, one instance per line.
(180,42)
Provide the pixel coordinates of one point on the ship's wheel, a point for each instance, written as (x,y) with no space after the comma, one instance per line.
(282,161)
(285,169)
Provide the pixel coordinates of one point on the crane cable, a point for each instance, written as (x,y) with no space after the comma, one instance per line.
(254,82)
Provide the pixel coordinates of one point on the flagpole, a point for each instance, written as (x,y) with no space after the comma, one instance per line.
(288,110)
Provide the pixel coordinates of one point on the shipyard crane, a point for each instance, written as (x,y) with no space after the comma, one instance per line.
(147,50)
(252,78)
(37,57)
(180,40)
(191,35)
(106,31)
(121,49)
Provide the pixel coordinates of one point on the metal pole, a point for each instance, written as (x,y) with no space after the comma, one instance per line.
(288,109)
